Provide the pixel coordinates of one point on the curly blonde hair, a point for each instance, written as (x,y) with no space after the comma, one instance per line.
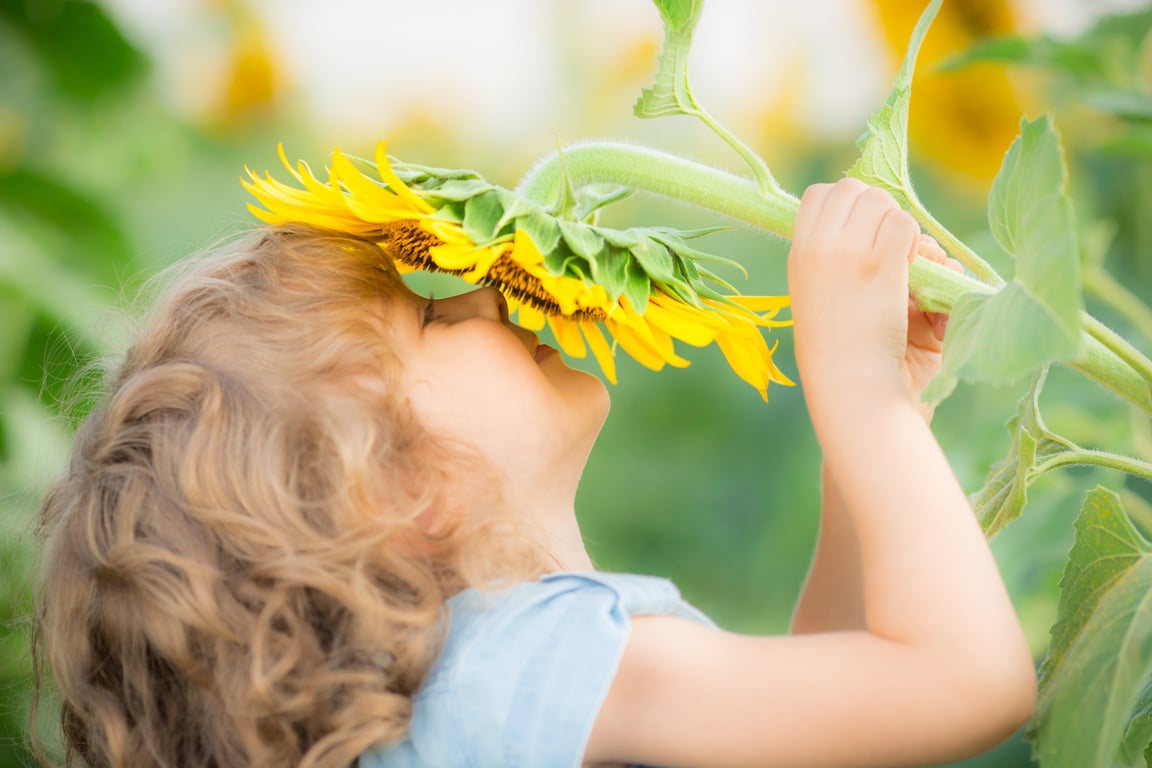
(235,572)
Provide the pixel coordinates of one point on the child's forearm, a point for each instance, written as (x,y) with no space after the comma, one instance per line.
(929,579)
(833,595)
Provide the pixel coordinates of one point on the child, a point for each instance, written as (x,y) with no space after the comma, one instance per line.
(322,520)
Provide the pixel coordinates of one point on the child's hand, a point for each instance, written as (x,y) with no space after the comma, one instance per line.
(848,276)
(925,331)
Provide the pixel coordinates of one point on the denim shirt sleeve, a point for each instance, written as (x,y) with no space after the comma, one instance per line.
(524,671)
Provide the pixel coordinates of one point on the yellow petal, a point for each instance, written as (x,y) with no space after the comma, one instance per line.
(531,318)
(367,199)
(389,177)
(600,350)
(567,333)
(696,329)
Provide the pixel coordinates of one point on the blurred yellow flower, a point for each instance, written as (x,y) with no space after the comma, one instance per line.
(454,222)
(962,120)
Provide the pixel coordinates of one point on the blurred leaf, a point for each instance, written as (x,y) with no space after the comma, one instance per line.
(1069,57)
(671,94)
(99,246)
(1101,652)
(78,43)
(1129,105)
(884,152)
(1035,319)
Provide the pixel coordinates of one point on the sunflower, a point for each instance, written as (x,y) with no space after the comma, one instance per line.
(645,286)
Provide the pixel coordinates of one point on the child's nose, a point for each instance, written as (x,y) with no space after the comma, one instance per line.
(486,302)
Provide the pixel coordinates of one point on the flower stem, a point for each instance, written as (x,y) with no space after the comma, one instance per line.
(958,248)
(1086,457)
(1119,346)
(1102,365)
(662,174)
(1108,359)
(1100,282)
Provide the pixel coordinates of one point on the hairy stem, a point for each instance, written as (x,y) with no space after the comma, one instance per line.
(1114,364)
(1086,457)
(1119,346)
(1116,295)
(660,173)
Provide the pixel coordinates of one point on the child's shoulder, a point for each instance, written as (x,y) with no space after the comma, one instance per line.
(555,595)
(525,668)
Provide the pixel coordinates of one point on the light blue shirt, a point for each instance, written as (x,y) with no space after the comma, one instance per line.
(524,672)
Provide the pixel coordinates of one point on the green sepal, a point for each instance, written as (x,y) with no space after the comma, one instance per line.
(654,257)
(592,197)
(542,228)
(457,190)
(582,239)
(559,261)
(425,175)
(637,286)
(1100,656)
(629,262)
(670,93)
(482,216)
(610,270)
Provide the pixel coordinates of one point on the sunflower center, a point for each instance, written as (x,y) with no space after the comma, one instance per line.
(406,242)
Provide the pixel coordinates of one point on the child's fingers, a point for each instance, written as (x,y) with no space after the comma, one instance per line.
(811,206)
(898,232)
(931,250)
(842,203)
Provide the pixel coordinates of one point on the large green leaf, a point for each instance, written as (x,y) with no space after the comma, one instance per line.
(884,154)
(1101,650)
(1030,214)
(1035,319)
(670,94)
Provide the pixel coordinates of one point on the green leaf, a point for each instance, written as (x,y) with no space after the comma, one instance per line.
(1138,735)
(1005,490)
(1030,214)
(1034,320)
(1101,650)
(482,217)
(884,157)
(1127,104)
(670,94)
(93,241)
(82,49)
(1070,57)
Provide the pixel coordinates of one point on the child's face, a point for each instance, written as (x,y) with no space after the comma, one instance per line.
(472,375)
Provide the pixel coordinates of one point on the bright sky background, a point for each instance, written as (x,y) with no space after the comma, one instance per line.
(364,65)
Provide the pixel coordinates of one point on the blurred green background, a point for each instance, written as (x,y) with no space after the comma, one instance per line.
(107,174)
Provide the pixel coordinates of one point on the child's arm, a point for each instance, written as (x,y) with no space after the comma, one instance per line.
(941,669)
(833,594)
